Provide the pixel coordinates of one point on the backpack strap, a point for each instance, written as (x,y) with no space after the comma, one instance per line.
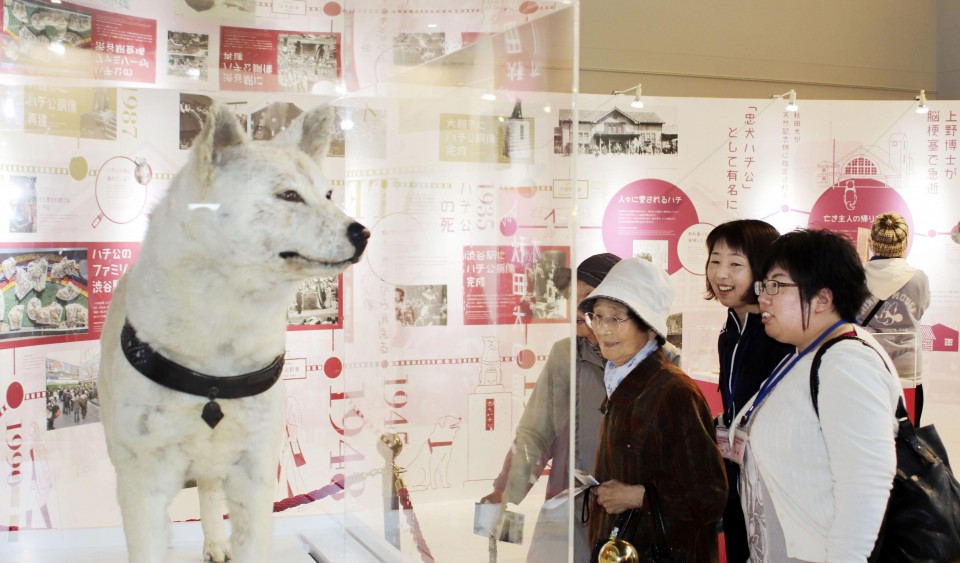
(872,312)
(818,356)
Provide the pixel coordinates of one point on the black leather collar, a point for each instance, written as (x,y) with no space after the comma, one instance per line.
(170,374)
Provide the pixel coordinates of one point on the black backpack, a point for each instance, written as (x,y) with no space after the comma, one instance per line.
(922,520)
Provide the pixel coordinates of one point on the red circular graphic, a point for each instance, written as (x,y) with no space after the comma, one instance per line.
(526,358)
(647,218)
(14,395)
(529,7)
(332,9)
(508,226)
(527,191)
(333,367)
(384,364)
(854,203)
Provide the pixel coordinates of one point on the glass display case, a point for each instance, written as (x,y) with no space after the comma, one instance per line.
(462,143)
(404,377)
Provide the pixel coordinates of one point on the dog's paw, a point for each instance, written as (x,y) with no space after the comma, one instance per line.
(216,551)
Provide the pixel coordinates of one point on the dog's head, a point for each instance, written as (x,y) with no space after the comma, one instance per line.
(267,204)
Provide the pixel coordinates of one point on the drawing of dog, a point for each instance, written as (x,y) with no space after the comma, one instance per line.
(194,338)
(430,467)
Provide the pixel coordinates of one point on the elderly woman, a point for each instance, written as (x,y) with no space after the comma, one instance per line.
(814,486)
(657,428)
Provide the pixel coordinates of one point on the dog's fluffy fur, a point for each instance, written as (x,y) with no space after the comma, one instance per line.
(210,291)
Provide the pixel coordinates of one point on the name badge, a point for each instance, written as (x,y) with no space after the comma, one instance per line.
(734,451)
(739,446)
(723,441)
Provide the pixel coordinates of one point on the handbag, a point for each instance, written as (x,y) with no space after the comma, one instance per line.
(618,549)
(922,519)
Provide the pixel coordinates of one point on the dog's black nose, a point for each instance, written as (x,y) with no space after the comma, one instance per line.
(358,235)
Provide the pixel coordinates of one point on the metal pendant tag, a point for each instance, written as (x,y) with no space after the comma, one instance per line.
(212,414)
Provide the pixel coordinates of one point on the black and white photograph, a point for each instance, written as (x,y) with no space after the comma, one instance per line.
(548,283)
(187,55)
(268,121)
(420,305)
(618,131)
(193,114)
(317,302)
(411,49)
(306,60)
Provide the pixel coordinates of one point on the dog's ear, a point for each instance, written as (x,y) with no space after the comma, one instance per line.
(221,130)
(311,132)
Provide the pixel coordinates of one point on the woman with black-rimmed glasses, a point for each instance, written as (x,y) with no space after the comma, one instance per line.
(814,483)
(658,432)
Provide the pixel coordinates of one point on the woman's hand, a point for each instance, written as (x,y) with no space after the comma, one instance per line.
(616,497)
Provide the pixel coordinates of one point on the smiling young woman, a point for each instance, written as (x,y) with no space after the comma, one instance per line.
(736,251)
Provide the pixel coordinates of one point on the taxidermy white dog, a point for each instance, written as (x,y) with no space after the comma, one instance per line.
(193,343)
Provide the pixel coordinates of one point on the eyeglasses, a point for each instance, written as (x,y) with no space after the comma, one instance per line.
(771,287)
(607,323)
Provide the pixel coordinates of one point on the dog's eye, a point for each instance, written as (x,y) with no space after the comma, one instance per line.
(291,196)
(329,194)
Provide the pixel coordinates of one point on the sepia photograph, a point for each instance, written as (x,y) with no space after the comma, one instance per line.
(187,55)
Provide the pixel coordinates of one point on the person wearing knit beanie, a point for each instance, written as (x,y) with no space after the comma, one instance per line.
(888,235)
(594,268)
(899,295)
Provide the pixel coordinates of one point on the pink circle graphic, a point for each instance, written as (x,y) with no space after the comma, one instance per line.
(526,358)
(333,367)
(508,226)
(332,9)
(14,395)
(854,203)
(529,7)
(647,218)
(527,191)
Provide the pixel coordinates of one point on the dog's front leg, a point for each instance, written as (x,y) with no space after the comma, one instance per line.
(249,490)
(144,497)
(216,548)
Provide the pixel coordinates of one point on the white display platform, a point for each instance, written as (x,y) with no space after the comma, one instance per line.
(295,540)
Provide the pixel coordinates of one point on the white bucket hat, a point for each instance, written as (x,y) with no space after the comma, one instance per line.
(644,288)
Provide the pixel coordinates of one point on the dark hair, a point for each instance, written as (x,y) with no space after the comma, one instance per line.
(752,238)
(820,259)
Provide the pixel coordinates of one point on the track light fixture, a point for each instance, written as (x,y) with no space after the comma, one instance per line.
(791,97)
(637,102)
(922,106)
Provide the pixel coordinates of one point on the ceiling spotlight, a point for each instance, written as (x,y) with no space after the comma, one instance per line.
(489,96)
(637,102)
(922,106)
(791,97)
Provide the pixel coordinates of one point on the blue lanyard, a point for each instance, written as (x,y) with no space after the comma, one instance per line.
(782,370)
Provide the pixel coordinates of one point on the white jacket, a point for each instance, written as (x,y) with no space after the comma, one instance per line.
(829,487)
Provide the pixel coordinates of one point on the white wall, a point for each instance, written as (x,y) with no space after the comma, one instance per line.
(854,49)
